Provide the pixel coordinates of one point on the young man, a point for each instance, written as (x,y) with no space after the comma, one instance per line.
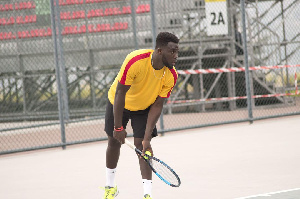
(138,92)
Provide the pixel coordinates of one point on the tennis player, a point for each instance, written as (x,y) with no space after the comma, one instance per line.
(144,81)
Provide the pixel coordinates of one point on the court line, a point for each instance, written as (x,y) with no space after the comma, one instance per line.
(269,194)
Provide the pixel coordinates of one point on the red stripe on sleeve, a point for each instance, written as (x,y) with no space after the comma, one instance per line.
(130,63)
(175,79)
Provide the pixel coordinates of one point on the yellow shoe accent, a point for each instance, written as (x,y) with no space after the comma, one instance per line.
(110,192)
(147,197)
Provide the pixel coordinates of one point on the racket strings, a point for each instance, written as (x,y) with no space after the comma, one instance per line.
(164,171)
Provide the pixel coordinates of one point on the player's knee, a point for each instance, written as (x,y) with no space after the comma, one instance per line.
(138,143)
(112,142)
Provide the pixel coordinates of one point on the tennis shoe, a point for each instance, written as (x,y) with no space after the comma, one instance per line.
(110,192)
(147,196)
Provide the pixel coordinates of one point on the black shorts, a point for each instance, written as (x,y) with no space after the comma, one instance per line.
(138,121)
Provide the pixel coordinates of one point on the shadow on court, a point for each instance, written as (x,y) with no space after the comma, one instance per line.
(258,161)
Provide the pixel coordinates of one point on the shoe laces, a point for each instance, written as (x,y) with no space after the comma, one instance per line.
(108,191)
(147,196)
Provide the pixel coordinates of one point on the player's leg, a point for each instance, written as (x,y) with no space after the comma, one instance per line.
(112,158)
(138,122)
(112,153)
(113,146)
(146,171)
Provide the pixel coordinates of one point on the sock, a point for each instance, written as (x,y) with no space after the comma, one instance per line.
(147,184)
(110,177)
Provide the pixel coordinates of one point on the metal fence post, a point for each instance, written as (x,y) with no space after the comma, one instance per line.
(61,61)
(58,77)
(152,10)
(133,17)
(247,76)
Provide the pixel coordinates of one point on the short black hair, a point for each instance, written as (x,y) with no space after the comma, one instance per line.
(163,38)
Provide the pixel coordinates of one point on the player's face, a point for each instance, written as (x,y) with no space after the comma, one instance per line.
(170,54)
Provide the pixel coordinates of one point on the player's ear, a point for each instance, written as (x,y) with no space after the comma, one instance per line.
(159,51)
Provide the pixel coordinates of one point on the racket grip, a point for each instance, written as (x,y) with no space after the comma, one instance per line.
(129,144)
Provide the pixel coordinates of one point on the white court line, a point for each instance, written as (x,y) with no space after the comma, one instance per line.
(268,194)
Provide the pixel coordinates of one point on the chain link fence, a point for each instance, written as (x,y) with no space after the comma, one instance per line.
(238,61)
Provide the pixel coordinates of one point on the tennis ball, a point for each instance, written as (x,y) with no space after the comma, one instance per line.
(147,153)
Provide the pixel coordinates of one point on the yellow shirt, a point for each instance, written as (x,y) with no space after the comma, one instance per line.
(146,82)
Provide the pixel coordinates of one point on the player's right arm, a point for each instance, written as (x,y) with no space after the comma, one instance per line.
(119,104)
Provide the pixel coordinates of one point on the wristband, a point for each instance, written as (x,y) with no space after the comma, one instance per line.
(119,129)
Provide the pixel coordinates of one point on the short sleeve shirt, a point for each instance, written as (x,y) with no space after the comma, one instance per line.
(146,82)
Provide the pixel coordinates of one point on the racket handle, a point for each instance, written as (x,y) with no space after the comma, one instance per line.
(129,144)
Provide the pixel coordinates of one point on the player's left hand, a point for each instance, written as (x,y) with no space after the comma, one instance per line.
(146,147)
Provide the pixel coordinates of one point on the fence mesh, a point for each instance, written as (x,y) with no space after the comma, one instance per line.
(93,37)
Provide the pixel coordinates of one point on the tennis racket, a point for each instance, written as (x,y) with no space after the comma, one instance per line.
(161,169)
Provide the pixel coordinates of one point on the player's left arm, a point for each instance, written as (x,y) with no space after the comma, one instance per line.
(153,115)
(156,108)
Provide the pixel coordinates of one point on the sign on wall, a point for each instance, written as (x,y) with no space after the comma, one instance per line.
(216,16)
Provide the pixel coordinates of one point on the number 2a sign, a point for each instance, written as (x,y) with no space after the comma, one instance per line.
(216,17)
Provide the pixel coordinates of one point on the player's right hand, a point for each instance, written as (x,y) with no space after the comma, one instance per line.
(120,135)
